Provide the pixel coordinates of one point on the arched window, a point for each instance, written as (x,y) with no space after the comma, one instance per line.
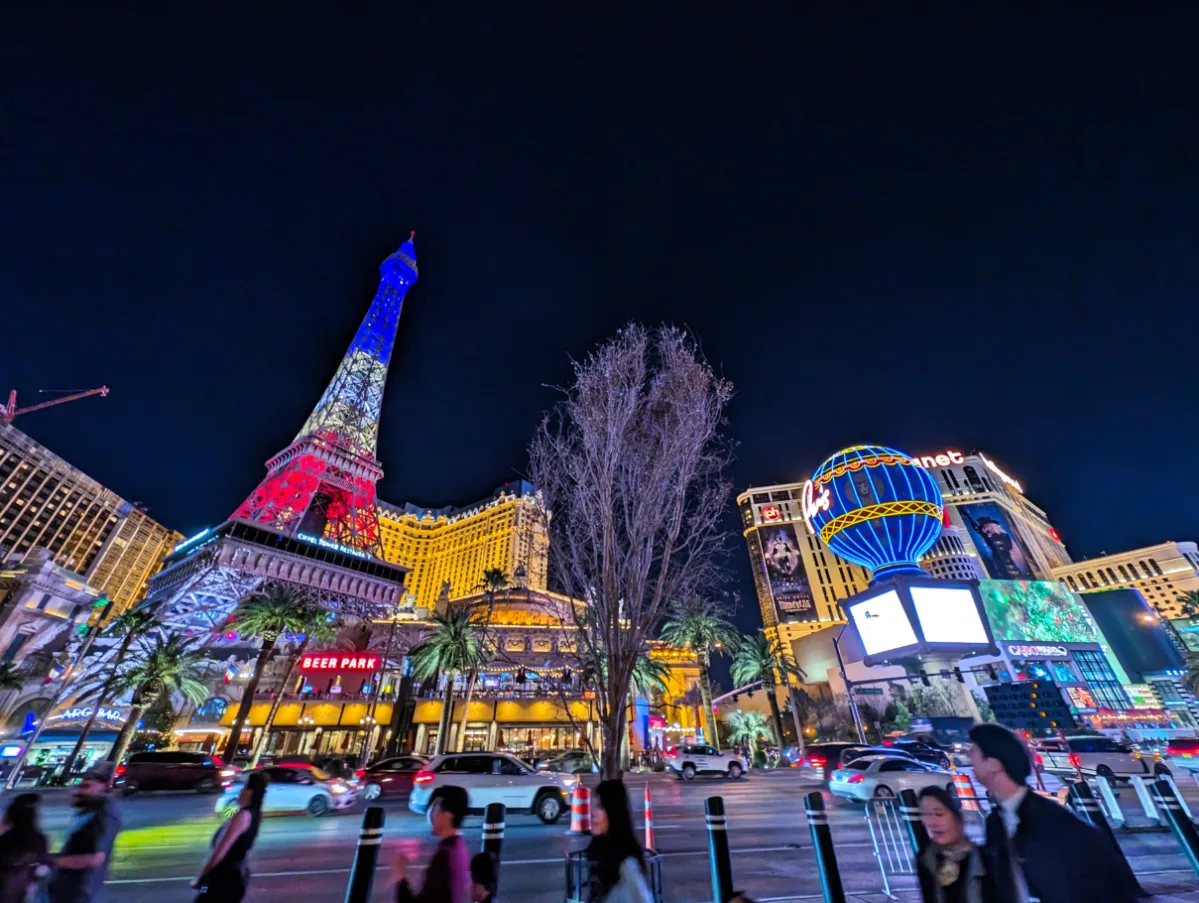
(1123,573)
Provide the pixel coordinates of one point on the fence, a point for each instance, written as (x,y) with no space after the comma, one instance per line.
(890,839)
(578,877)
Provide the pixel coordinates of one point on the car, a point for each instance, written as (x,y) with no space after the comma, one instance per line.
(575,762)
(309,790)
(820,760)
(1182,754)
(858,752)
(922,752)
(389,778)
(1093,755)
(689,761)
(172,770)
(493,778)
(882,777)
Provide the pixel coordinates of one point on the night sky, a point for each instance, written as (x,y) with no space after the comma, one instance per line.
(922,230)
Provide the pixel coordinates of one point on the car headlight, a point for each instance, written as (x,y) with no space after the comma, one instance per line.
(339,788)
(227,772)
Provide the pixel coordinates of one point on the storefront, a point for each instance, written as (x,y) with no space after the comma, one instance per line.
(62,730)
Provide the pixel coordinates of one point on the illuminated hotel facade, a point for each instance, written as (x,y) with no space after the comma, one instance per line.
(1160,573)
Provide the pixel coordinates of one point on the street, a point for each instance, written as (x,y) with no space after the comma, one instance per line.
(299,858)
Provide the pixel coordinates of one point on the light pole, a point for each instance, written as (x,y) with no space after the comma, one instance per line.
(853,704)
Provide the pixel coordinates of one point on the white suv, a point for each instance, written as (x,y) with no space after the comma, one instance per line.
(493,778)
(688,761)
(1092,755)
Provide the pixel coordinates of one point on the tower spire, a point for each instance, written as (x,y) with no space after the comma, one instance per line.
(323,484)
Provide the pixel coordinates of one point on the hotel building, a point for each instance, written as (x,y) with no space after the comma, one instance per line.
(1161,573)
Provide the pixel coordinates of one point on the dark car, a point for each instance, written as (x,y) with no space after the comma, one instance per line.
(390,777)
(922,752)
(820,760)
(147,771)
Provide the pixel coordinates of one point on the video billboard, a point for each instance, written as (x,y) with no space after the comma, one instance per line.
(785,573)
(1002,552)
(1041,611)
(882,623)
(948,614)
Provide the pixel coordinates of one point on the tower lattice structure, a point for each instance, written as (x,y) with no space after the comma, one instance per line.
(323,484)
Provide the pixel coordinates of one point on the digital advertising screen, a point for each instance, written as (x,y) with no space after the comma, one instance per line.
(785,573)
(1002,552)
(882,623)
(1038,610)
(949,615)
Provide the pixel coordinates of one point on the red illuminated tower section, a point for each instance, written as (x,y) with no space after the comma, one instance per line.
(323,484)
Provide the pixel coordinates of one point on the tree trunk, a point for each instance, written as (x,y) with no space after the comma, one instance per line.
(247,700)
(447,717)
(705,694)
(798,719)
(126,734)
(615,728)
(470,690)
(101,701)
(775,715)
(260,746)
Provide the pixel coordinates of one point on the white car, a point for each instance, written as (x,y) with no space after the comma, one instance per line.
(1092,754)
(882,777)
(688,761)
(494,778)
(292,790)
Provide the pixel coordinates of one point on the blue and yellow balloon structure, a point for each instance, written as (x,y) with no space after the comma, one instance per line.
(875,506)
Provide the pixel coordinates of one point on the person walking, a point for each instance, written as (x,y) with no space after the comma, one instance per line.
(950,869)
(225,875)
(82,866)
(616,860)
(1036,848)
(447,877)
(23,849)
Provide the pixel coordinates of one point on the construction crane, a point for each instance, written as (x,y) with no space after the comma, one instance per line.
(10,410)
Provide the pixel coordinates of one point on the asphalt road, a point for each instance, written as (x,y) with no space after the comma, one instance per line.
(299,859)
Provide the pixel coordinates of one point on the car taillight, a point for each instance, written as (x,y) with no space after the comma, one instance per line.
(423,777)
(1075,760)
(673,755)
(855,779)
(817,761)
(888,743)
(120,771)
(1037,758)
(360,773)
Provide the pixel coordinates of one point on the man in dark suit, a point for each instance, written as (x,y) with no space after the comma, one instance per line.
(1035,848)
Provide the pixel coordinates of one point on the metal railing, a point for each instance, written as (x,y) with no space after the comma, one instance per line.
(890,840)
(578,877)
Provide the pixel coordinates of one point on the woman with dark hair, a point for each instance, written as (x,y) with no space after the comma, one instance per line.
(225,875)
(950,868)
(23,849)
(616,860)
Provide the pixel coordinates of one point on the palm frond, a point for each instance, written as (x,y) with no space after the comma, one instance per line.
(760,658)
(453,646)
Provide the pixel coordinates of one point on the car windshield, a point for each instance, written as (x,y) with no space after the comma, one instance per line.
(320,775)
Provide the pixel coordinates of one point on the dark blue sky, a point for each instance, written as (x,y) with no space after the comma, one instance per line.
(974,229)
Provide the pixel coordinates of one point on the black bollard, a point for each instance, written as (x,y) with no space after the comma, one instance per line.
(493,840)
(909,807)
(718,850)
(1083,801)
(1184,828)
(362,875)
(822,843)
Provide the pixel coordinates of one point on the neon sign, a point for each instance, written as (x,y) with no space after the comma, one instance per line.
(324,661)
(335,546)
(814,504)
(1037,650)
(942,460)
(83,712)
(771,513)
(189,541)
(994,468)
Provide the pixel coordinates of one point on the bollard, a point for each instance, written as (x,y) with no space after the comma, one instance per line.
(650,844)
(909,808)
(1183,827)
(493,840)
(718,849)
(362,876)
(580,810)
(822,842)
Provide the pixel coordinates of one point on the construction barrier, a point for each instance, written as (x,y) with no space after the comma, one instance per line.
(578,877)
(650,843)
(891,842)
(580,810)
(967,795)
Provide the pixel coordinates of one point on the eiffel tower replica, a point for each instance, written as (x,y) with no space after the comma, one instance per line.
(312,522)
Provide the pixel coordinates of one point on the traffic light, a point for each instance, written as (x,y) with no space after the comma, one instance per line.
(1032,705)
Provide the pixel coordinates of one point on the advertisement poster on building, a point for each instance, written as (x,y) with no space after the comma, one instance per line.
(785,572)
(1003,555)
(1039,611)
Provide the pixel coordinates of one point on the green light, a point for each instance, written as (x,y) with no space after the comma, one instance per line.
(100,602)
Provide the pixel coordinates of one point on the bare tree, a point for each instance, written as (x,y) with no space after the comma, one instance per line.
(631,464)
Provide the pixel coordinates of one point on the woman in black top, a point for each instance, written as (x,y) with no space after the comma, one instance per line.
(22,849)
(225,874)
(950,868)
(614,856)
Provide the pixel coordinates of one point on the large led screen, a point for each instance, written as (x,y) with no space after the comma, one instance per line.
(785,573)
(1037,610)
(882,624)
(949,615)
(1003,555)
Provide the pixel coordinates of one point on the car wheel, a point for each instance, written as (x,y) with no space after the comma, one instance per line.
(208,785)
(688,772)
(1160,769)
(1104,772)
(549,808)
(372,792)
(318,806)
(129,789)
(735,771)
(883,792)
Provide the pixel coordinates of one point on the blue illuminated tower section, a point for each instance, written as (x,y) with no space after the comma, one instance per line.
(323,484)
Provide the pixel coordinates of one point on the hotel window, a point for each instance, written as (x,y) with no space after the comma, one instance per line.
(1070,581)
(1123,573)
(1157,570)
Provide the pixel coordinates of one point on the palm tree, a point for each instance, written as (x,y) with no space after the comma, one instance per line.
(267,616)
(454,646)
(698,626)
(1189,603)
(156,667)
(495,581)
(316,625)
(761,658)
(748,727)
(11,677)
(130,625)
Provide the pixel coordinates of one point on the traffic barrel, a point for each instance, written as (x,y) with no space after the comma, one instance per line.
(909,808)
(967,795)
(650,845)
(1183,827)
(721,864)
(493,841)
(1083,801)
(580,810)
(362,875)
(822,843)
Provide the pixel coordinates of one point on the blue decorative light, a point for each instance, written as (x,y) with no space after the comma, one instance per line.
(874,506)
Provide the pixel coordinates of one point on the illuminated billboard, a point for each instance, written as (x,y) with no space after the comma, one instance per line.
(1002,552)
(785,573)
(882,624)
(1040,611)
(948,614)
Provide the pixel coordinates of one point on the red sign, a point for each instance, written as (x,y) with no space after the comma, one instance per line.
(771,513)
(657,721)
(339,661)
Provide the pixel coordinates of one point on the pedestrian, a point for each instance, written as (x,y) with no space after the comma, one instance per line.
(81,867)
(616,860)
(225,875)
(1036,848)
(482,878)
(447,877)
(950,869)
(23,849)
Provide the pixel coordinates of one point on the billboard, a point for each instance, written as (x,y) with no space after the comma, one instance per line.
(882,624)
(785,573)
(1140,641)
(1039,611)
(1002,552)
(949,615)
